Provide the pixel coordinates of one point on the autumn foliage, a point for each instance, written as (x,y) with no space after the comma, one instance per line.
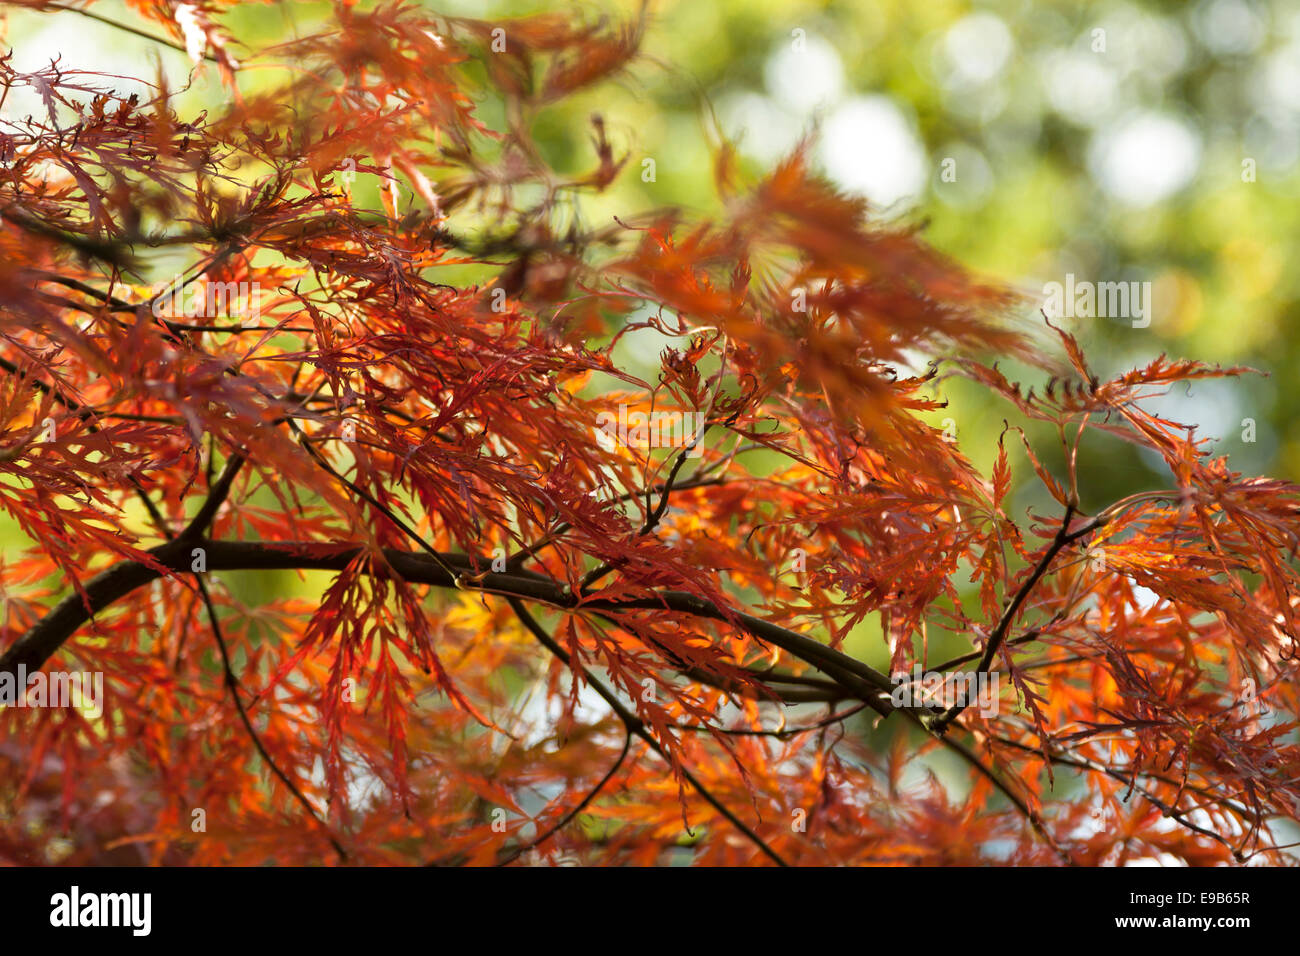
(526,640)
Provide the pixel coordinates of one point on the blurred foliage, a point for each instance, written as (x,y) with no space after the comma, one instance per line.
(1127,162)
(1109,140)
(1112,155)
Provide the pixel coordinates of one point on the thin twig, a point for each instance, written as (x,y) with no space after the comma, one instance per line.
(652,517)
(130,29)
(85,413)
(635,725)
(216,498)
(233,684)
(834,718)
(1063,537)
(568,817)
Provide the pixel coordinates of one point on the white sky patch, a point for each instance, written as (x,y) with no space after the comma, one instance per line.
(766,130)
(1213,405)
(1279,78)
(1152,47)
(1160,859)
(913,362)
(81,44)
(869,147)
(1145,598)
(977,48)
(804,79)
(187,18)
(1227,27)
(1145,157)
(540,715)
(1080,85)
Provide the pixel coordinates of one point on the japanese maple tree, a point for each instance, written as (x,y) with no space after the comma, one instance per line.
(531,636)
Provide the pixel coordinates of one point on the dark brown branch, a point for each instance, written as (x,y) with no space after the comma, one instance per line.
(635,725)
(800,690)
(1064,536)
(45,638)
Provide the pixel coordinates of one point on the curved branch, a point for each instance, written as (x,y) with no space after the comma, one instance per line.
(1064,536)
(635,725)
(568,817)
(232,684)
(45,638)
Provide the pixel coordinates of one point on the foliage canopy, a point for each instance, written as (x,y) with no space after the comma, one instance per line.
(534,634)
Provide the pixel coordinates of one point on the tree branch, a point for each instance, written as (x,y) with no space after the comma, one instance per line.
(568,817)
(232,684)
(45,638)
(145,34)
(635,725)
(1064,536)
